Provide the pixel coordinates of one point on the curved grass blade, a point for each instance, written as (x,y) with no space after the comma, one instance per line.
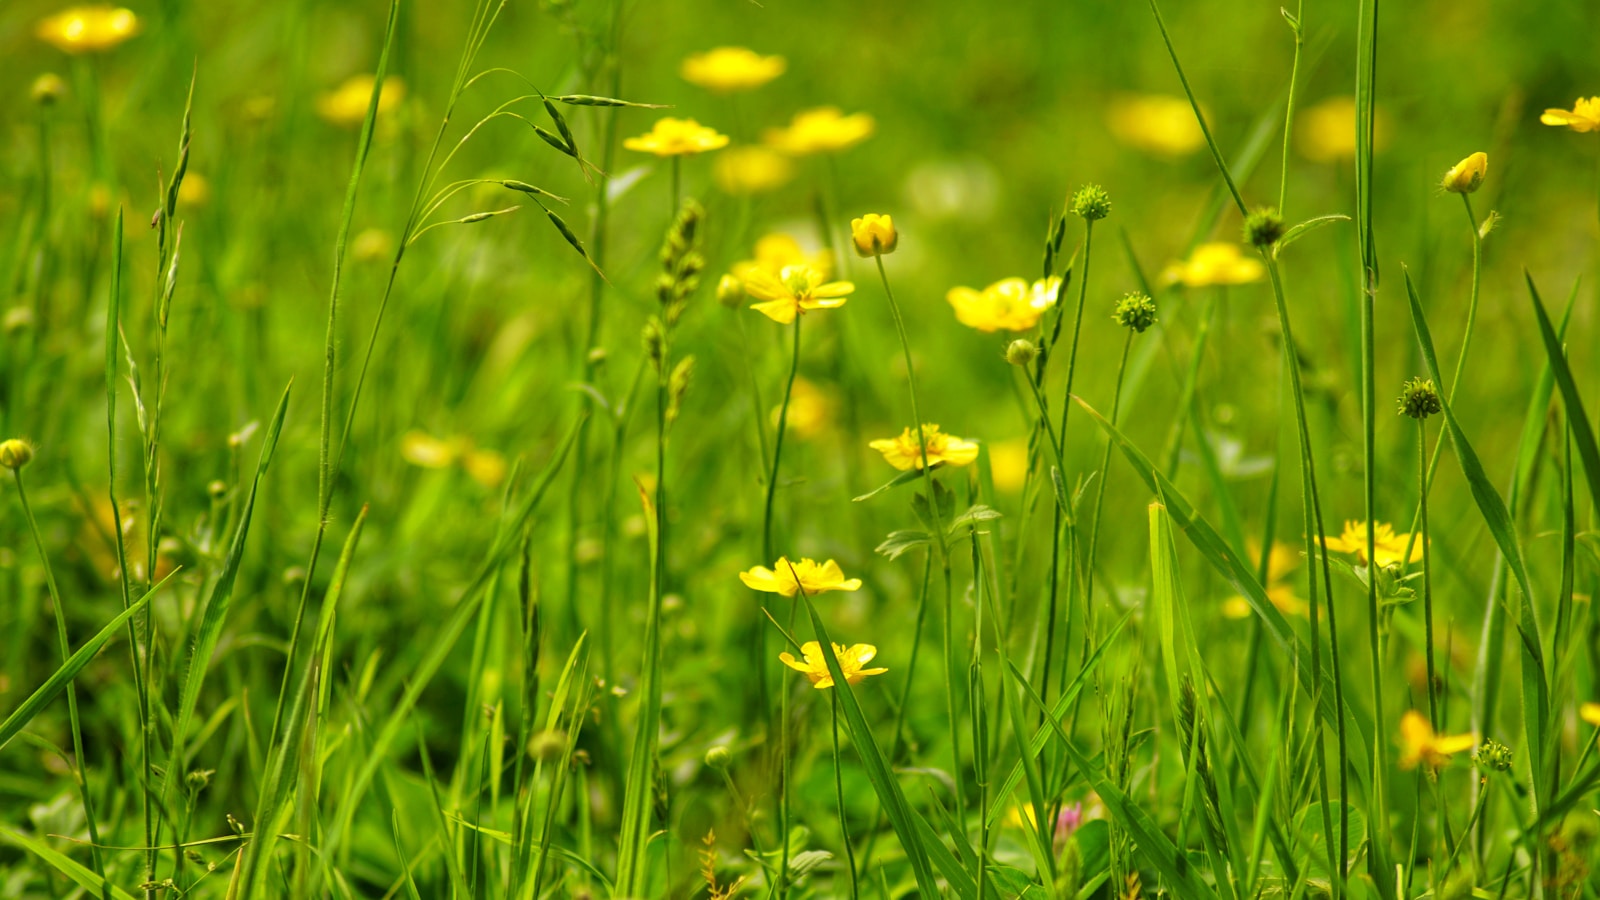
(66,865)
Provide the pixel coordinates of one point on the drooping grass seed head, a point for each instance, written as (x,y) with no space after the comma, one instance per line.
(1136,311)
(1466,176)
(48,89)
(1022,352)
(1091,203)
(1263,226)
(1420,399)
(15,453)
(873,235)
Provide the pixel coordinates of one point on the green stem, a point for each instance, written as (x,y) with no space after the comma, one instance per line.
(838,790)
(1077,331)
(1100,496)
(767,548)
(1427,573)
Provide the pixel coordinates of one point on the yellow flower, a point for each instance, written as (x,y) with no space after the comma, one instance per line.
(346,104)
(1156,123)
(1213,264)
(677,137)
(1008,464)
(728,69)
(1281,561)
(810,410)
(814,577)
(1584,116)
(1590,712)
(1465,176)
(905,452)
(821,130)
(1421,745)
(1388,546)
(195,190)
(1012,304)
(797,288)
(1327,131)
(851,660)
(487,467)
(775,252)
(88,29)
(873,235)
(422,449)
(752,170)
(371,245)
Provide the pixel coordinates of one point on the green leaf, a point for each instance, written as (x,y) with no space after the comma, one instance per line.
(898,542)
(1582,431)
(903,478)
(64,864)
(1304,228)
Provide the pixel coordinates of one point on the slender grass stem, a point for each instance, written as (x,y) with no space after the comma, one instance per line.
(838,791)
(1100,489)
(1427,573)
(767,548)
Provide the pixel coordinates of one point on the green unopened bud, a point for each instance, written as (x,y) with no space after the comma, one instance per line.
(730,292)
(1420,399)
(14,454)
(1493,755)
(1091,202)
(1022,352)
(1263,226)
(1135,310)
(718,757)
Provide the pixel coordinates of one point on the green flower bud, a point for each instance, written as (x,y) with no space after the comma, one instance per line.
(1091,202)
(1263,226)
(1493,755)
(1021,352)
(718,757)
(1420,399)
(1135,310)
(14,454)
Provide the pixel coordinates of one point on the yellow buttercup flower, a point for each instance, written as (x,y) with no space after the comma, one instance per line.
(486,467)
(195,190)
(422,449)
(1590,712)
(728,69)
(346,104)
(1464,177)
(1583,117)
(905,452)
(1388,547)
(88,29)
(1156,123)
(810,410)
(873,235)
(775,252)
(814,577)
(1011,304)
(1327,131)
(797,289)
(677,137)
(1419,743)
(822,130)
(1215,264)
(1281,562)
(1008,465)
(851,660)
(752,170)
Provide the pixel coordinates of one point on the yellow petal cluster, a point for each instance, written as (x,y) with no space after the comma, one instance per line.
(788,577)
(1281,563)
(346,105)
(905,452)
(88,29)
(1583,117)
(852,660)
(825,129)
(1215,264)
(729,69)
(1464,177)
(487,467)
(1419,744)
(1010,304)
(1156,123)
(873,235)
(677,137)
(752,169)
(796,289)
(1388,547)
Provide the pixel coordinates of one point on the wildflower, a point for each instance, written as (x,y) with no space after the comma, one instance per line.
(790,577)
(810,410)
(346,105)
(1008,464)
(677,137)
(15,453)
(1281,562)
(821,130)
(1421,745)
(730,291)
(1136,311)
(1464,177)
(1263,226)
(1156,123)
(48,89)
(905,452)
(797,288)
(487,467)
(1590,712)
(88,29)
(422,449)
(1091,202)
(729,69)
(752,170)
(1326,132)
(1215,264)
(1583,117)
(1022,352)
(851,659)
(195,190)
(873,235)
(1011,304)
(1420,399)
(774,252)
(1388,546)
(718,757)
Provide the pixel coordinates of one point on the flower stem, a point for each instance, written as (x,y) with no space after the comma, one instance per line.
(1427,580)
(767,548)
(838,790)
(1100,496)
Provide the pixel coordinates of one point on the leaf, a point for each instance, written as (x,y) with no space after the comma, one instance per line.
(974,515)
(1577,417)
(591,100)
(898,542)
(903,478)
(1304,228)
(801,864)
(64,864)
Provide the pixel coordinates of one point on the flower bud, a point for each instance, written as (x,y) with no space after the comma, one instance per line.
(718,757)
(873,235)
(1021,352)
(1493,755)
(730,292)
(1466,176)
(1420,399)
(48,89)
(1263,226)
(14,454)
(1091,202)
(1135,310)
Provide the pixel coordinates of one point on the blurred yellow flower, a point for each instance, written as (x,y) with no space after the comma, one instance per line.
(873,235)
(905,452)
(487,467)
(1011,304)
(795,290)
(1214,264)
(1590,712)
(851,660)
(1584,116)
(728,69)
(1008,464)
(1156,123)
(1327,130)
(821,130)
(88,29)
(810,410)
(752,169)
(422,449)
(1281,561)
(1420,744)
(346,105)
(677,137)
(1464,177)
(372,244)
(814,577)
(1388,547)
(775,252)
(195,190)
